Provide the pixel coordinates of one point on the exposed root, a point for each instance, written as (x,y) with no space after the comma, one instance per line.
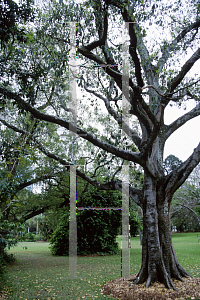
(171,283)
(148,281)
(178,277)
(183,272)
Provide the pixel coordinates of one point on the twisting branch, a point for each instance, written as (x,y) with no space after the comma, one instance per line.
(133,47)
(144,115)
(51,175)
(117,76)
(38,144)
(117,171)
(141,109)
(110,71)
(145,60)
(128,18)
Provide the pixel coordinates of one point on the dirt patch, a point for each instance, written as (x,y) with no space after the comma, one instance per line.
(123,288)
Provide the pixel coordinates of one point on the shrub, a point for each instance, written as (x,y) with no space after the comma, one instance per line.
(96,233)
(96,229)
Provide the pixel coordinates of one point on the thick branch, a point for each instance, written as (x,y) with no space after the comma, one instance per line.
(110,71)
(184,70)
(150,141)
(141,109)
(181,121)
(133,47)
(143,116)
(124,154)
(39,145)
(127,15)
(28,215)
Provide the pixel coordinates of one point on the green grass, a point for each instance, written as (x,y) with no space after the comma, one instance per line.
(188,251)
(39,275)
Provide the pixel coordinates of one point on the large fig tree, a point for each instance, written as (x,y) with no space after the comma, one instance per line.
(163,40)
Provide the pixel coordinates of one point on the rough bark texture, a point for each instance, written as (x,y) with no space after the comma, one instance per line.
(159,261)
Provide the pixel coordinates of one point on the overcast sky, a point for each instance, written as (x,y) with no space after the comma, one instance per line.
(185,139)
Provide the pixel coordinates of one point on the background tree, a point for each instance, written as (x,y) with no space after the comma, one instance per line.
(171,163)
(157,79)
(185,212)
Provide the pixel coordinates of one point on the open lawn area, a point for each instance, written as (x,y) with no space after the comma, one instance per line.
(39,275)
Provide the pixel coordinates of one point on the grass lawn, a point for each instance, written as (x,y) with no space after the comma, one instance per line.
(39,275)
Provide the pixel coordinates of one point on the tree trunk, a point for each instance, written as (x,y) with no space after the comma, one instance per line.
(159,261)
